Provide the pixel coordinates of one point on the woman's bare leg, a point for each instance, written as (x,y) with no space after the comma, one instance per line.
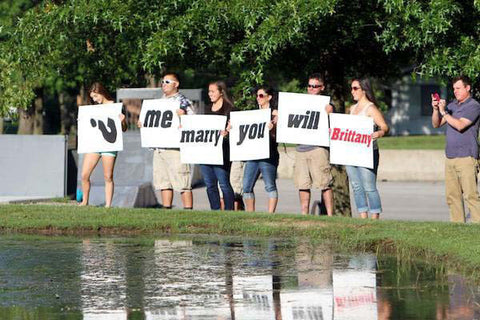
(108,165)
(90,160)
(272,204)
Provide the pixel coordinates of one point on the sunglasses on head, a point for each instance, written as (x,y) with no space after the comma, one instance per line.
(167,81)
(356,88)
(315,86)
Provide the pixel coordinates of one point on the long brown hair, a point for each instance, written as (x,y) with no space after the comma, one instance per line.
(97,87)
(367,87)
(222,87)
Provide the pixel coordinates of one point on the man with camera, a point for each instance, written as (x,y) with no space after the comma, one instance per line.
(461,165)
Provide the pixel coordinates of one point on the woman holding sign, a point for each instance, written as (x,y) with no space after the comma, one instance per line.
(268,167)
(214,175)
(99,95)
(364,180)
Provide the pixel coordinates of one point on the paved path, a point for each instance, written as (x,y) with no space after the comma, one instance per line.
(414,201)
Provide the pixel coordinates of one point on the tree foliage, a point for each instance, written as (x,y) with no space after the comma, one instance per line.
(67,44)
(442,34)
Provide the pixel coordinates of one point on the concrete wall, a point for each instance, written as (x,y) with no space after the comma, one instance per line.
(395,165)
(33,165)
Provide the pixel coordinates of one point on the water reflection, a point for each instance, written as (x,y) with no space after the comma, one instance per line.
(201,278)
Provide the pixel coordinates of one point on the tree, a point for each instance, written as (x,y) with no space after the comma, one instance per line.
(442,35)
(119,42)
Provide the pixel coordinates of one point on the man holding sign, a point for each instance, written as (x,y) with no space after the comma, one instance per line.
(168,172)
(312,166)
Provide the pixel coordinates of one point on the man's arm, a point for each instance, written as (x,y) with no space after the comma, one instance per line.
(437,120)
(459,124)
(329,108)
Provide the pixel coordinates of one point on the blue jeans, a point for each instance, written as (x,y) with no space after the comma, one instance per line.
(251,173)
(212,176)
(364,185)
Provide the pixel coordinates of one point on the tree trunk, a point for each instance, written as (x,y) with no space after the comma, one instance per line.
(341,192)
(64,119)
(1,125)
(151,81)
(25,121)
(38,114)
(82,99)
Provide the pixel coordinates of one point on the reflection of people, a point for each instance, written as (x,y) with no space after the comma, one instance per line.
(99,95)
(268,167)
(168,172)
(219,174)
(312,165)
(364,180)
(461,166)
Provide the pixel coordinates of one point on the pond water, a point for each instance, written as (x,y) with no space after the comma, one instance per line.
(219,278)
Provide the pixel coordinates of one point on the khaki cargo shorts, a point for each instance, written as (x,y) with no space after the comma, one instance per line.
(312,170)
(236,176)
(169,172)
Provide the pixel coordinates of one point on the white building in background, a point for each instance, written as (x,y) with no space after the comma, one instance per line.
(410,111)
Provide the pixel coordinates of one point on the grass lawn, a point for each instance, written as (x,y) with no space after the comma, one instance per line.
(456,245)
(436,142)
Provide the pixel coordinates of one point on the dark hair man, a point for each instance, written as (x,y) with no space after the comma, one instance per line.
(312,164)
(461,164)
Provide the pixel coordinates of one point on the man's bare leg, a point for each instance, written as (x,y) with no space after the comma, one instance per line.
(167,198)
(187,199)
(327,197)
(304,200)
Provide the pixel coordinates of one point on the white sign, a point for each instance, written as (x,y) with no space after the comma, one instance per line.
(249,136)
(351,140)
(160,123)
(99,128)
(355,288)
(302,119)
(201,139)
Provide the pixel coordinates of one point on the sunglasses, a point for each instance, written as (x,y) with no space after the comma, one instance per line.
(261,95)
(315,86)
(356,88)
(166,81)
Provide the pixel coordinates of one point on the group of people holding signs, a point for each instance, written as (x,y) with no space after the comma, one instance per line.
(224,135)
